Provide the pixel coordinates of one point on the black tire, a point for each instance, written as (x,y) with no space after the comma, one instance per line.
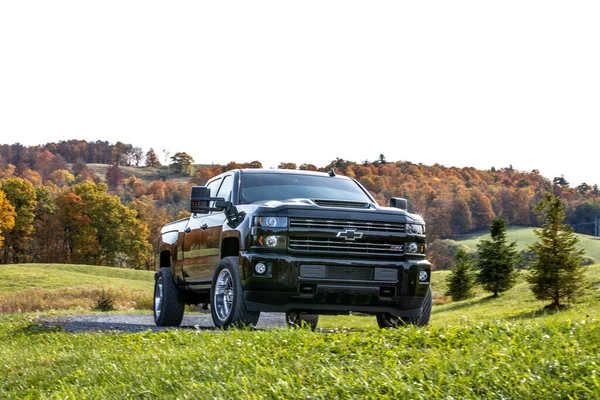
(302,320)
(385,320)
(168,306)
(227,305)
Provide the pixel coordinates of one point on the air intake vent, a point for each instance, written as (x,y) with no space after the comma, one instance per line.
(341,203)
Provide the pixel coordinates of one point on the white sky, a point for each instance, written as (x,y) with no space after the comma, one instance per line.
(465,83)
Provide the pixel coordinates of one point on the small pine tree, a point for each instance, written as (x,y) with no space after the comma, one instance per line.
(498,260)
(461,281)
(557,273)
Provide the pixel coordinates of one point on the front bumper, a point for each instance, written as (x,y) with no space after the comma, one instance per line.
(333,285)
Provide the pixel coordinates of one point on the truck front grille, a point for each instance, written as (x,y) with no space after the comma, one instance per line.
(363,226)
(322,245)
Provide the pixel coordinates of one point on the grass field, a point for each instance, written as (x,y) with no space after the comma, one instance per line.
(525,236)
(500,348)
(39,287)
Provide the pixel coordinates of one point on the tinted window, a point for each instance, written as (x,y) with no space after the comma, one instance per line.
(261,187)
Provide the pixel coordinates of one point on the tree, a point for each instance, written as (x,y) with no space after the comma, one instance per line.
(152,159)
(137,155)
(182,163)
(20,193)
(497,265)
(460,215)
(461,281)
(114,176)
(7,216)
(286,165)
(557,273)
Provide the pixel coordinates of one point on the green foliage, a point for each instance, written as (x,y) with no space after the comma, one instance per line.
(461,280)
(498,260)
(557,274)
(105,300)
(182,162)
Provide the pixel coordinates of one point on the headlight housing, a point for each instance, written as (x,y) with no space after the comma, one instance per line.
(271,222)
(415,229)
(269,233)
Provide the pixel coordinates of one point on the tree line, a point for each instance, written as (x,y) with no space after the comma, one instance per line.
(453,201)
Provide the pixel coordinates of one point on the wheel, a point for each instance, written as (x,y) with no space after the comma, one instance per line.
(385,320)
(168,306)
(301,320)
(227,305)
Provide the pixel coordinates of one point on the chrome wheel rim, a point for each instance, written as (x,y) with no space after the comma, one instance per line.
(158,296)
(391,320)
(223,296)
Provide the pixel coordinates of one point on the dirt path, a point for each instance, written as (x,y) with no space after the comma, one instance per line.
(144,322)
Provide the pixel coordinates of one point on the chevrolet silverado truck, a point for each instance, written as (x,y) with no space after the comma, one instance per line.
(296,242)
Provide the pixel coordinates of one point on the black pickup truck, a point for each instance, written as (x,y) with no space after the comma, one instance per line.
(299,242)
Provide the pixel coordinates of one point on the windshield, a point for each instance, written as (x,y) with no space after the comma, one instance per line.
(265,187)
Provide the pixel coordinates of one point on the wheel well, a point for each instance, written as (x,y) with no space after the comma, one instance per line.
(165,259)
(230,247)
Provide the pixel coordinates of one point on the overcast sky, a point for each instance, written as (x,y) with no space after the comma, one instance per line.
(459,83)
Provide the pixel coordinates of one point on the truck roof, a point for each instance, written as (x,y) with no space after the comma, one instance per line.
(287,171)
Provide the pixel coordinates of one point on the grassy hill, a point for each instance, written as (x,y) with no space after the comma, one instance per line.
(525,236)
(144,173)
(36,287)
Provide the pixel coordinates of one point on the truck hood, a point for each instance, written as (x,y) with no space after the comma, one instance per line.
(315,208)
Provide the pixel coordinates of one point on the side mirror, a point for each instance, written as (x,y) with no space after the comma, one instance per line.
(200,200)
(398,202)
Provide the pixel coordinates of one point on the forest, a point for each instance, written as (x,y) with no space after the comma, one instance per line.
(102,203)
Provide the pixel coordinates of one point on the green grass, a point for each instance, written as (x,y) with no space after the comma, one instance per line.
(18,277)
(38,287)
(525,236)
(506,348)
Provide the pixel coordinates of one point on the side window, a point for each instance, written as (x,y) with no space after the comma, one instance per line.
(226,188)
(213,187)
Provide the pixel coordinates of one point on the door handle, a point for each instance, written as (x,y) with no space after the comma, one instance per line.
(204,227)
(188,230)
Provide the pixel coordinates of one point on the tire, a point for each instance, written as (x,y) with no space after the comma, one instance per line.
(302,320)
(227,305)
(168,306)
(386,321)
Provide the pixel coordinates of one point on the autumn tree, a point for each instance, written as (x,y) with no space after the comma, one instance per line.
(7,216)
(152,159)
(498,259)
(114,176)
(461,281)
(182,162)
(460,215)
(123,238)
(20,193)
(49,241)
(287,165)
(556,274)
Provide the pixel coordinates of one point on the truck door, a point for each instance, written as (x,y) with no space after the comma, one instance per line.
(202,242)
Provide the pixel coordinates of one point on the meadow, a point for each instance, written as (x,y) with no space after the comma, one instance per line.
(498,348)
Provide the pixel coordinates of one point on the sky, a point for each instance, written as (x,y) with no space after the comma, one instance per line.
(458,83)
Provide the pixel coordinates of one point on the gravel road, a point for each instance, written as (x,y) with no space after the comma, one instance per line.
(144,322)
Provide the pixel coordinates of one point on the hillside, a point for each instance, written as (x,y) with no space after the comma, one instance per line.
(524,236)
(37,287)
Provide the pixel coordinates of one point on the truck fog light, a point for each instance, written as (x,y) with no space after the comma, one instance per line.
(412,248)
(260,268)
(423,276)
(271,241)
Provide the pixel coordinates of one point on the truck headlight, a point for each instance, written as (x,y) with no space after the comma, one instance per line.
(271,241)
(271,222)
(415,229)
